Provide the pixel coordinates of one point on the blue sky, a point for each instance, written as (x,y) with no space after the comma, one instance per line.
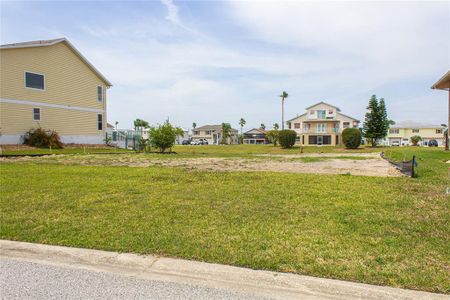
(211,62)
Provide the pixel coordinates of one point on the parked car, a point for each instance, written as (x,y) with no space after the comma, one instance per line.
(203,142)
(432,143)
(395,143)
(194,142)
(185,142)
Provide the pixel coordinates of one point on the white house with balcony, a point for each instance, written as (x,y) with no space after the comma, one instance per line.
(321,124)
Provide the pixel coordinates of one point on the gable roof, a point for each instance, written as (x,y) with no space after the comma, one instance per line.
(443,83)
(321,102)
(256,129)
(45,43)
(298,116)
(212,127)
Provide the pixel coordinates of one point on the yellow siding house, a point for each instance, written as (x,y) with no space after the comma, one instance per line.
(400,134)
(50,84)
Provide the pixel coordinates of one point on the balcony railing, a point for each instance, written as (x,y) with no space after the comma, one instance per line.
(317,131)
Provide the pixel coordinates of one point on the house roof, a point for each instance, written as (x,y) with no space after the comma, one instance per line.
(45,43)
(443,83)
(256,129)
(414,124)
(322,102)
(298,116)
(212,127)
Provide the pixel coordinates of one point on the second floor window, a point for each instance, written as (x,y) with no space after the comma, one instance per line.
(346,124)
(99,93)
(415,130)
(296,125)
(321,127)
(34,81)
(207,132)
(393,131)
(196,132)
(438,131)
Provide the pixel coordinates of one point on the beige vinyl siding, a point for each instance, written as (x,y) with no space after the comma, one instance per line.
(18,119)
(68,80)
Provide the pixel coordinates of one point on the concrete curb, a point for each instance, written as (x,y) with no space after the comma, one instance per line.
(262,283)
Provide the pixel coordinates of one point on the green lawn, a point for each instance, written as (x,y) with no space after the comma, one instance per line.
(390,231)
(87,150)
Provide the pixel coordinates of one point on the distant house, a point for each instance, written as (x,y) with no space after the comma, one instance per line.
(401,133)
(321,124)
(184,137)
(50,84)
(213,134)
(255,136)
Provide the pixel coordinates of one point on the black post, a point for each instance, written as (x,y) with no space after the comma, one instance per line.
(413,163)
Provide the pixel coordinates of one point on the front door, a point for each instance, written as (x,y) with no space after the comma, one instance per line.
(319,140)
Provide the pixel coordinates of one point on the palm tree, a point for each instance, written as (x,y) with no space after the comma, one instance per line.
(117,123)
(276,126)
(194,125)
(283,96)
(262,126)
(226,132)
(242,123)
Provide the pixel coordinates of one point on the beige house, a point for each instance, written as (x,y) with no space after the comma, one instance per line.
(400,134)
(444,84)
(213,134)
(321,124)
(50,84)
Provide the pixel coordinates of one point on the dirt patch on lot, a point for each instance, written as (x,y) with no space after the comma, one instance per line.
(368,164)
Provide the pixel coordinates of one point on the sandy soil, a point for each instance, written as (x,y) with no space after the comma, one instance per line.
(371,165)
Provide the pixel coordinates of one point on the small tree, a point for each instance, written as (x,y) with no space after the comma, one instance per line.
(416,139)
(273,136)
(287,138)
(351,137)
(276,126)
(376,123)
(163,136)
(226,132)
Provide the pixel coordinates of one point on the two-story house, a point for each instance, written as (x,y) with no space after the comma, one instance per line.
(400,134)
(321,124)
(50,84)
(213,134)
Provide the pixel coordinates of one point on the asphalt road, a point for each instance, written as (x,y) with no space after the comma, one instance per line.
(29,280)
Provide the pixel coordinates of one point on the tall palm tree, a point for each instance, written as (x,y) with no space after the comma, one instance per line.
(242,123)
(283,96)
(262,126)
(117,123)
(276,126)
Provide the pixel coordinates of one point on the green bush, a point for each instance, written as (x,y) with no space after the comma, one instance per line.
(163,137)
(43,138)
(286,138)
(351,137)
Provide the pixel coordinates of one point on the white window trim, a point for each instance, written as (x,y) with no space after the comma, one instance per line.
(30,88)
(40,114)
(103,94)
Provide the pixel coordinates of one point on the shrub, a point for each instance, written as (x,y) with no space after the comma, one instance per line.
(42,138)
(272,136)
(351,137)
(163,137)
(287,138)
(416,139)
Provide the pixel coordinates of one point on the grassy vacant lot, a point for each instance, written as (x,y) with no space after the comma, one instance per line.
(390,231)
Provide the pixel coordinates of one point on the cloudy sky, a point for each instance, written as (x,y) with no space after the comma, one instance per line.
(211,62)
